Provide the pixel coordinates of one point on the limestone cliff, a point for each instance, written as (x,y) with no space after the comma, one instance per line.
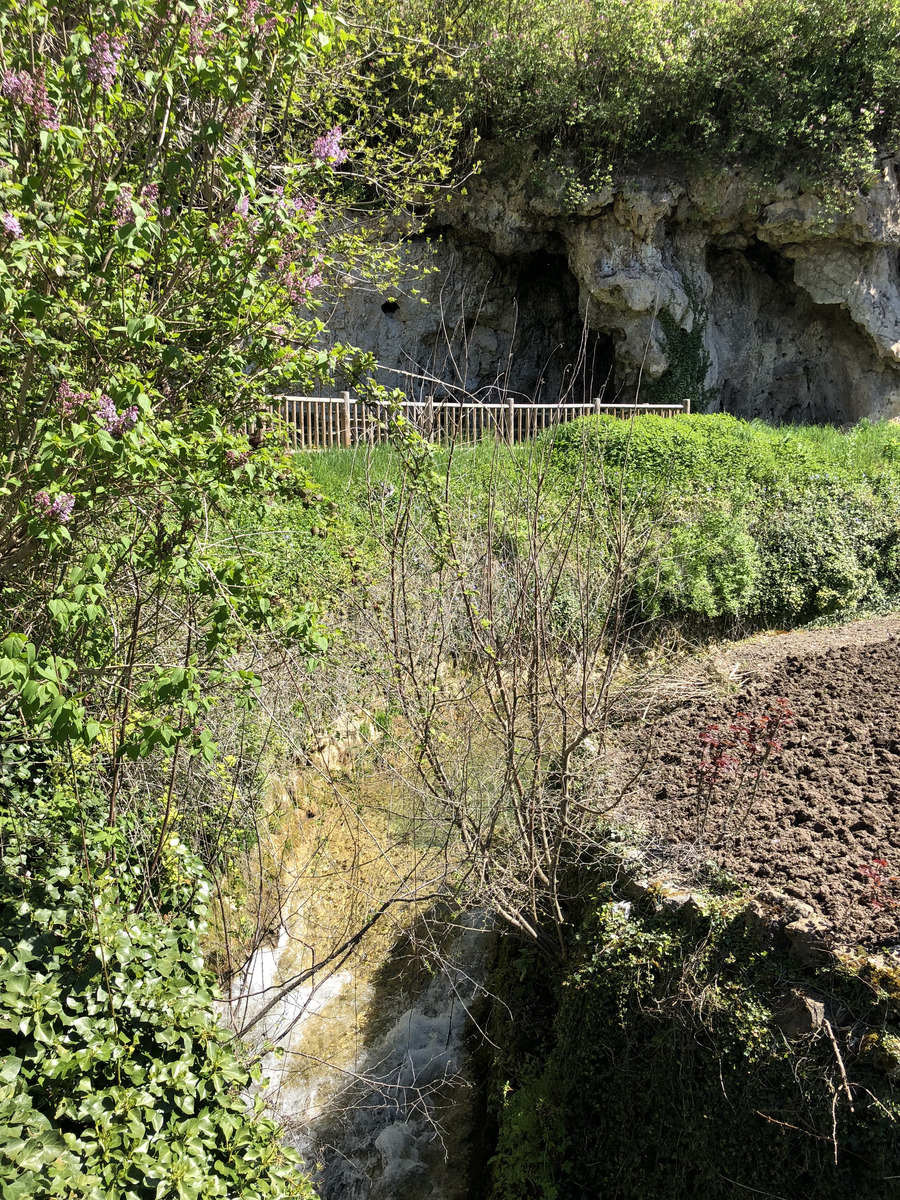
(759,299)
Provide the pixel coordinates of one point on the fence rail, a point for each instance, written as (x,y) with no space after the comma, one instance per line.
(318,422)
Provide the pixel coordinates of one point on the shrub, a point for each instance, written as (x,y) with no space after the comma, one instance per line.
(759,523)
(115,1078)
(789,85)
(664,1073)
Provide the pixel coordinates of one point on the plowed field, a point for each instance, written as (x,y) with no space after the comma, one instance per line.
(825,809)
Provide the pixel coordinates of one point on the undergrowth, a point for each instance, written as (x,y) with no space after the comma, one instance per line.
(663,1071)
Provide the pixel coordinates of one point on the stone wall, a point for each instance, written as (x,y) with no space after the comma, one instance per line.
(755,298)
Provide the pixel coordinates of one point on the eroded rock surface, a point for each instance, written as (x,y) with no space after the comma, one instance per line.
(760,299)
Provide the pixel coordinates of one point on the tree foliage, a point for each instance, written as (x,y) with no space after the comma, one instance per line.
(172,197)
(787,85)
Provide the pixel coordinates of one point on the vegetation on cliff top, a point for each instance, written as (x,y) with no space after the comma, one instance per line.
(785,85)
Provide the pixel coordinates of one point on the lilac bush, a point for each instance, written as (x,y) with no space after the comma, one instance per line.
(328,149)
(134,139)
(103,61)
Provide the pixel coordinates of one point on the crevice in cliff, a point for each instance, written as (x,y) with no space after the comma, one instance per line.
(765,259)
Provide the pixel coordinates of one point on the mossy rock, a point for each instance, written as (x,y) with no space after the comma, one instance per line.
(667,1071)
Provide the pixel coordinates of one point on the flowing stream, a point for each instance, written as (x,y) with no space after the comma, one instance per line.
(373,1079)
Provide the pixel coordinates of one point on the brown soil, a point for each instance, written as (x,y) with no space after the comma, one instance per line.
(825,806)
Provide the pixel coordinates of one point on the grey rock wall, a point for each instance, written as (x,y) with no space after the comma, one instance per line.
(470,322)
(759,299)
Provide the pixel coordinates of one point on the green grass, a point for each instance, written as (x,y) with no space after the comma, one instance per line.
(751,523)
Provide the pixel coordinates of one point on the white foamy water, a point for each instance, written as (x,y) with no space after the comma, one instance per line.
(385,1118)
(298,1084)
(405,1129)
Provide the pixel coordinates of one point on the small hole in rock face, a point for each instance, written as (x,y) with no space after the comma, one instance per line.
(390,307)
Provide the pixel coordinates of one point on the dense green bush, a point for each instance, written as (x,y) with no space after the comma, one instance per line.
(115,1078)
(786,84)
(764,524)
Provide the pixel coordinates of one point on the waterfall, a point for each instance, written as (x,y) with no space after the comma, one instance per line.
(373,1080)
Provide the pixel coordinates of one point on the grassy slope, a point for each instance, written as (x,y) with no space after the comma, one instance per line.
(755,523)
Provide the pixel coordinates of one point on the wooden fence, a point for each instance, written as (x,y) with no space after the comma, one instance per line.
(317,422)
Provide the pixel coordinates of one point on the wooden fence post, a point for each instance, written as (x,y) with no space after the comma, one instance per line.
(511,418)
(687,405)
(345,419)
(428,419)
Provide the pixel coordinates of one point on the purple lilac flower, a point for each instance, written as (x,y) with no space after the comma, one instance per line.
(58,510)
(11,227)
(298,287)
(236,458)
(306,206)
(251,8)
(29,93)
(14,87)
(68,400)
(122,210)
(328,148)
(199,23)
(114,422)
(242,208)
(149,193)
(103,60)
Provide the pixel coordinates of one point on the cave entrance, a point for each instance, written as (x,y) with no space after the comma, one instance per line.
(559,359)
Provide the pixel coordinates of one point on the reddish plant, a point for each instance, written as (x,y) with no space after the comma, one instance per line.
(881,891)
(737,754)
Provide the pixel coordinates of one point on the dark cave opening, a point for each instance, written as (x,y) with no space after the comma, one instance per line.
(578,363)
(782,357)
